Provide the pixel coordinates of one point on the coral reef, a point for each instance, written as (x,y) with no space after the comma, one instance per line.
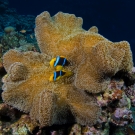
(121,116)
(76,129)
(11,39)
(12,24)
(9,17)
(89,96)
(9,29)
(23,126)
(13,122)
(27,47)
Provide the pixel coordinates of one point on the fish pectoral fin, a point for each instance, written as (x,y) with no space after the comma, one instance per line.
(58,78)
(51,78)
(59,67)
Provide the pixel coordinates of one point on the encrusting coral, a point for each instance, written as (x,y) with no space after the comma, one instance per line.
(93,60)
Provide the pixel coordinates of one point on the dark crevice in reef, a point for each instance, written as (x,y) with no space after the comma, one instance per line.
(61,129)
(129,78)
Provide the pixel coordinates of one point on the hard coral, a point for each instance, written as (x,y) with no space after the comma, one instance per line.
(11,39)
(9,29)
(121,116)
(23,126)
(93,60)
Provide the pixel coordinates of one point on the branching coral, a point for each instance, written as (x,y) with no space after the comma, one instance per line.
(93,60)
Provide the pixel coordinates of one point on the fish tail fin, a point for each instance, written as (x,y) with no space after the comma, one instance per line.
(68,73)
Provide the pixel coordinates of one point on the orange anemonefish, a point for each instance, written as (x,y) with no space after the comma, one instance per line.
(59,62)
(59,74)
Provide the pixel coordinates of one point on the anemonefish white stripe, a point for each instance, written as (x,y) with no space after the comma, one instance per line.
(64,62)
(60,73)
(55,76)
(57,60)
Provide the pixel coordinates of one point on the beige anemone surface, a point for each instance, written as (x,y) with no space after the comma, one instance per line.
(93,57)
(93,61)
(27,88)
